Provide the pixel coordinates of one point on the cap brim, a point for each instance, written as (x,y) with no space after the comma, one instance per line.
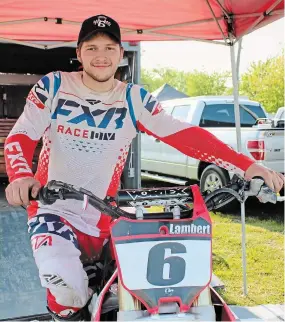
(94,32)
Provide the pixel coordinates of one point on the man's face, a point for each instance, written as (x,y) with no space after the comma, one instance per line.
(100,57)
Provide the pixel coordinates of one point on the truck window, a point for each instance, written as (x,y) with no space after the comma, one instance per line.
(249,114)
(222,115)
(181,112)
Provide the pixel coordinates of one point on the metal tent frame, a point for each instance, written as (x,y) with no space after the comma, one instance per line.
(229,38)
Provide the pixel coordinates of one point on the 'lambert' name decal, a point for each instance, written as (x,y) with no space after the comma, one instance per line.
(176,229)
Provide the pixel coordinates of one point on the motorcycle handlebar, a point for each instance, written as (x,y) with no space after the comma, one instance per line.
(163,196)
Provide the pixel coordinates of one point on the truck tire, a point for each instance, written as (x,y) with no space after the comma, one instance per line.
(219,177)
(213,178)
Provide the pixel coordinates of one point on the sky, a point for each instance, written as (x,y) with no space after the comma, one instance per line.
(189,55)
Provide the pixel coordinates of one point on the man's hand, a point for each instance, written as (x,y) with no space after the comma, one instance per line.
(17,192)
(272,179)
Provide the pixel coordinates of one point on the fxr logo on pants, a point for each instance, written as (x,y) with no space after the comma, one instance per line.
(42,240)
(16,159)
(47,226)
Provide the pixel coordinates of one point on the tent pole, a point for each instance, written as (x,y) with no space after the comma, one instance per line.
(238,59)
(181,24)
(179,37)
(23,43)
(243,242)
(236,94)
(243,204)
(238,134)
(260,18)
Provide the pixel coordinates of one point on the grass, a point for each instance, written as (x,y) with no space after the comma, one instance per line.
(265,259)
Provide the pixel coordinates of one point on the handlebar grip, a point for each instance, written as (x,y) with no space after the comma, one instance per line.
(259,189)
(259,178)
(45,196)
(279,198)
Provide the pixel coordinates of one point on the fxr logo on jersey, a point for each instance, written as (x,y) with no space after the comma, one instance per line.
(102,22)
(32,98)
(99,118)
(16,157)
(39,94)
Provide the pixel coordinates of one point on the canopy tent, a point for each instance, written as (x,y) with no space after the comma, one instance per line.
(222,22)
(167,92)
(202,20)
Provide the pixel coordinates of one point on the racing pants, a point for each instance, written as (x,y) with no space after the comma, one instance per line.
(63,256)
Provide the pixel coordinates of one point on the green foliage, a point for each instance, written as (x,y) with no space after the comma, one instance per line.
(202,83)
(192,83)
(264,82)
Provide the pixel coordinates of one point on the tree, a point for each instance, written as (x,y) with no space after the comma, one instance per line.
(192,83)
(155,78)
(264,82)
(203,83)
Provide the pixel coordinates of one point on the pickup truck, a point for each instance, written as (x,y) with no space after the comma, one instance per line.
(279,117)
(261,141)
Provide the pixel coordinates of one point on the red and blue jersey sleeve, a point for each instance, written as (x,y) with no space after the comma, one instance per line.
(21,142)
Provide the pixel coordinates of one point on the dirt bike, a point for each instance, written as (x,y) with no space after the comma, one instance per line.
(162,263)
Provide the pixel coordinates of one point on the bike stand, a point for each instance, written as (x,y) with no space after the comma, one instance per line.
(216,283)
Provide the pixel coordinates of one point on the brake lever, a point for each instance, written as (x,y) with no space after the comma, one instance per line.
(257,188)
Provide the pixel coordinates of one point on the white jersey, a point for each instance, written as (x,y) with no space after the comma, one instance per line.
(86,138)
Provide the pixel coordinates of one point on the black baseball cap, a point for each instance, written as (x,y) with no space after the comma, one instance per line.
(99,23)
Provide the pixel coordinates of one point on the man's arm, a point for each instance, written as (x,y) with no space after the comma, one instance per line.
(21,142)
(188,139)
(193,140)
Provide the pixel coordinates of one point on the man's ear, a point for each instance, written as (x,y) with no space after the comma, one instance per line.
(78,55)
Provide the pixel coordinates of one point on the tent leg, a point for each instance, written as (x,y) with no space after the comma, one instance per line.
(236,95)
(238,134)
(132,170)
(238,58)
(243,243)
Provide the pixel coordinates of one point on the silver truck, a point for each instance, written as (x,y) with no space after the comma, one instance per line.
(261,141)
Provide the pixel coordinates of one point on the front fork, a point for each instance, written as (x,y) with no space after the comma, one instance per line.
(127,302)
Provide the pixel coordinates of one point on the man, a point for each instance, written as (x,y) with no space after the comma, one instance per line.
(87,121)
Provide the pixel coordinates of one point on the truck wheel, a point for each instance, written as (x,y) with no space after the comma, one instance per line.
(213,178)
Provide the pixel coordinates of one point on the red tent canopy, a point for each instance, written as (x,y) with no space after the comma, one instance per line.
(206,20)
